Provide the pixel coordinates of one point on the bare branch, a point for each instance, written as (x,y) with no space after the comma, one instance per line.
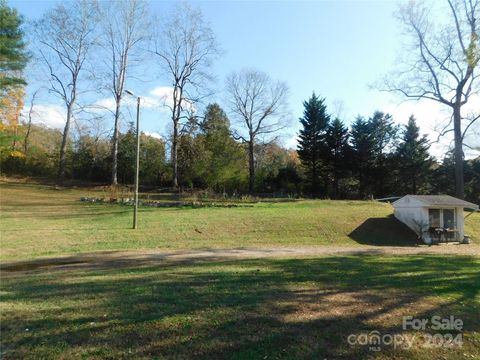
(445,66)
(126,26)
(470,123)
(260,106)
(186,48)
(65,36)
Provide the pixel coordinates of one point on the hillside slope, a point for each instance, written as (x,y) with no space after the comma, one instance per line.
(40,220)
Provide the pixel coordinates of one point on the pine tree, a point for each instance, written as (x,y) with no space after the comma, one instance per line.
(339,152)
(363,146)
(13,59)
(385,136)
(414,161)
(13,56)
(225,160)
(215,121)
(312,141)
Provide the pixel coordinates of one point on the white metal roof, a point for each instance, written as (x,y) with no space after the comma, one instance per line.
(441,200)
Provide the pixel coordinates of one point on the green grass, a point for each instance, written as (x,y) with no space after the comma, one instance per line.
(271,308)
(41,221)
(242,309)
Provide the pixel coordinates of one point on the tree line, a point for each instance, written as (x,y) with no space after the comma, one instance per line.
(234,153)
(373,158)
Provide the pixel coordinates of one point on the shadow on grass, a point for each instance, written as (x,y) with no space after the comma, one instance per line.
(384,231)
(243,309)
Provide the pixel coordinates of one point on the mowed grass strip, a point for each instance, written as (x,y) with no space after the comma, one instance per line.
(242,309)
(42,221)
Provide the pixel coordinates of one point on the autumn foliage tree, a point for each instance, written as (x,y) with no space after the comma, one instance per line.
(13,59)
(11,104)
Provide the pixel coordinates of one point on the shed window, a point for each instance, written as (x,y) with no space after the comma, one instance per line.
(442,218)
(434,217)
(448,218)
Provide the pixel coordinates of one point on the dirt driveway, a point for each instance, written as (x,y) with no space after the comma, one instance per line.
(110,259)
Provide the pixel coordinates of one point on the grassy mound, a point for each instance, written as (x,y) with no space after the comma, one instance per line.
(39,220)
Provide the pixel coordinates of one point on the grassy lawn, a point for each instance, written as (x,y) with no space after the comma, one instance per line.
(41,221)
(242,309)
(269,308)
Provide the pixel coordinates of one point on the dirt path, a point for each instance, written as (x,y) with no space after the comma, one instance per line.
(148,257)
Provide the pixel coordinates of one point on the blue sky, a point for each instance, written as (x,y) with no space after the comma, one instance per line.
(335,48)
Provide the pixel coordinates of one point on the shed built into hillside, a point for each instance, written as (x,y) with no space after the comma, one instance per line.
(434,218)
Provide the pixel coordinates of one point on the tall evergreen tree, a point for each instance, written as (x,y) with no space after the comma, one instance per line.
(13,55)
(443,177)
(13,59)
(339,152)
(385,136)
(384,132)
(192,158)
(225,159)
(414,161)
(312,141)
(215,121)
(472,180)
(363,145)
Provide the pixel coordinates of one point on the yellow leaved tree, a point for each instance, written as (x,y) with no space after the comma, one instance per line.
(11,105)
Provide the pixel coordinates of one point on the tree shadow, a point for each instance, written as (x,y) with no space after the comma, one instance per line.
(384,231)
(236,309)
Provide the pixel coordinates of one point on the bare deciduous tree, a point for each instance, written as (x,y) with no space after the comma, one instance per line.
(186,47)
(260,106)
(31,112)
(125,26)
(443,64)
(65,36)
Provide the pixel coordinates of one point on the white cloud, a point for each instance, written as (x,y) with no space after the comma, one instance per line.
(104,104)
(108,104)
(53,116)
(162,97)
(154,135)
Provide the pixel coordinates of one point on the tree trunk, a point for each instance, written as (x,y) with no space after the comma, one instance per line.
(63,147)
(458,152)
(116,131)
(335,180)
(27,136)
(361,185)
(174,153)
(176,112)
(14,144)
(313,180)
(251,167)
